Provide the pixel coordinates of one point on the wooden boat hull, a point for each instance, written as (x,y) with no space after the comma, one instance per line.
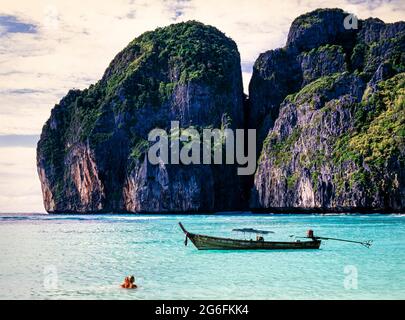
(203,242)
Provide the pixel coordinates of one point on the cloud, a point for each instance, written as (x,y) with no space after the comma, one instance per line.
(48,47)
(20,189)
(177,8)
(20,91)
(75,40)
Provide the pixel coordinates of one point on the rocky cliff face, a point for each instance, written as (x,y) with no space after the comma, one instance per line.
(91,156)
(335,128)
(329,109)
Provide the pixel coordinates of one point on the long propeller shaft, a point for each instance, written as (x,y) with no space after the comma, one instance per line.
(366,244)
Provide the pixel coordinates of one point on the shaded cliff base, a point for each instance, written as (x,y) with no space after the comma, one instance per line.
(349,210)
(282,211)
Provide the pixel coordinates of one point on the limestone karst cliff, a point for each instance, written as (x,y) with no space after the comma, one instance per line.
(328,108)
(335,120)
(91,156)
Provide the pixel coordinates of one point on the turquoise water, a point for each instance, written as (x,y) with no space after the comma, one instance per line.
(86,257)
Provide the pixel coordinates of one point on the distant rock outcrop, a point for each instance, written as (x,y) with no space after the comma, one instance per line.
(335,133)
(329,109)
(91,156)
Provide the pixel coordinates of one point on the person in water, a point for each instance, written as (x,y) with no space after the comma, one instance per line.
(132,283)
(129,283)
(125,284)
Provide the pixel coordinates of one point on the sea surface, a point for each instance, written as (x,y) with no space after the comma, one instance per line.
(87,257)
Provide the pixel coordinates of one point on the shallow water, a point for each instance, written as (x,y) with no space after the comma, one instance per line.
(86,257)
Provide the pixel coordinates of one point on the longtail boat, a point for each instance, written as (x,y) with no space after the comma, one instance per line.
(203,242)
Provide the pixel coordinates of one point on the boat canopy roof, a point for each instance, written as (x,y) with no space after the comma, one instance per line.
(251,230)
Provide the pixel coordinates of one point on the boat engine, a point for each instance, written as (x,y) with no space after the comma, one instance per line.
(310,233)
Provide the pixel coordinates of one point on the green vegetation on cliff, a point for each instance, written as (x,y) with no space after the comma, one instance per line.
(150,67)
(96,138)
(380,126)
(144,75)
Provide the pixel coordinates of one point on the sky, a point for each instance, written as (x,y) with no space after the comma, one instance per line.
(50,46)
